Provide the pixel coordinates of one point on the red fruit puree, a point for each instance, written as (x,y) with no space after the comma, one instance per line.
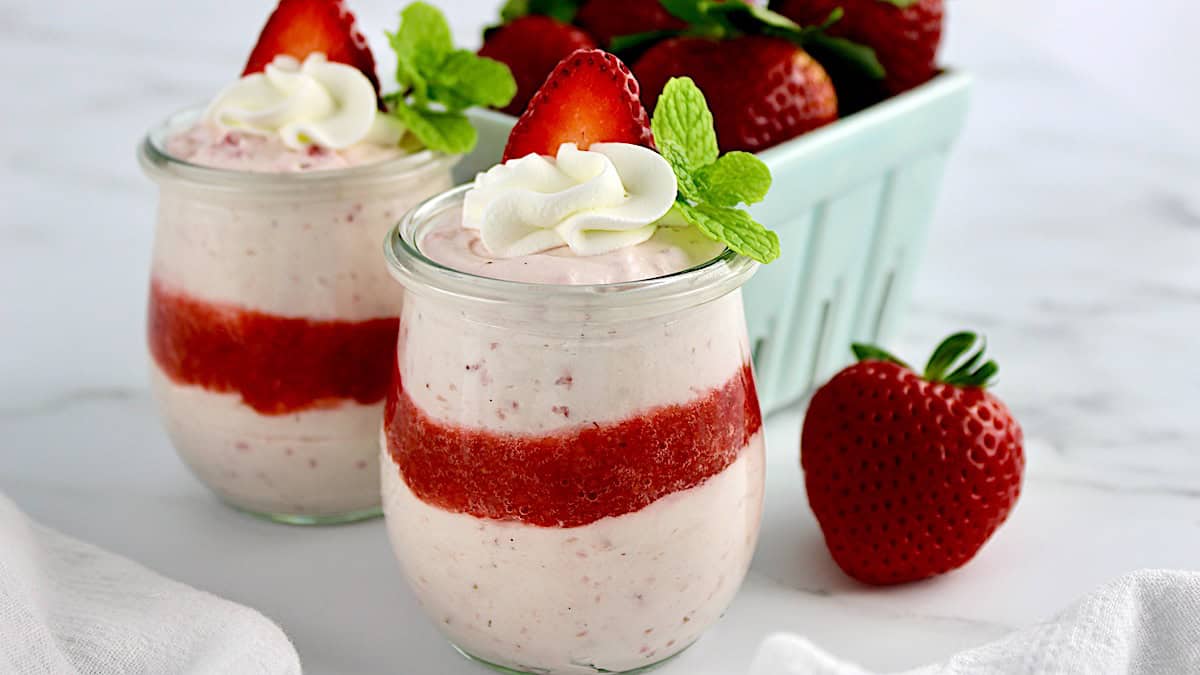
(578,475)
(278,365)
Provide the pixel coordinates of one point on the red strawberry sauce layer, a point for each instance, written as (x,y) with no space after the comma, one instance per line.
(578,475)
(278,365)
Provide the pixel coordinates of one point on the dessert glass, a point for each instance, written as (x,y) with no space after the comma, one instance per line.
(270,319)
(572,475)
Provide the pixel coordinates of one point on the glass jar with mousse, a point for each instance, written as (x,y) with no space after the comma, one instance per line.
(271,322)
(572,454)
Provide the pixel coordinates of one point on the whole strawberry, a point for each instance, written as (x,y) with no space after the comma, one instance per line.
(908,475)
(532,46)
(762,90)
(905,34)
(607,19)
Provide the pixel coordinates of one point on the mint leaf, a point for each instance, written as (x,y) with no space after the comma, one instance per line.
(733,227)
(901,3)
(711,185)
(407,75)
(677,156)
(421,43)
(683,123)
(443,131)
(464,80)
(735,178)
(430,70)
(424,35)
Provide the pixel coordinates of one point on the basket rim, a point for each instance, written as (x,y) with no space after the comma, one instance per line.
(948,82)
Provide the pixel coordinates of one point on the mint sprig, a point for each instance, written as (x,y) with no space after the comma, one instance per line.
(711,186)
(437,81)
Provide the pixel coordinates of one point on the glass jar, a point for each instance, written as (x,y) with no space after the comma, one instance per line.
(572,475)
(271,322)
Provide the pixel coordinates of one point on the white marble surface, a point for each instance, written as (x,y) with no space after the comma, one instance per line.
(1069,231)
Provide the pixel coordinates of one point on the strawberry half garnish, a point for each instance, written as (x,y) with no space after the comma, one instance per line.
(909,475)
(589,97)
(298,28)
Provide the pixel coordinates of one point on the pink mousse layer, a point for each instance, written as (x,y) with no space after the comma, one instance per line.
(207,145)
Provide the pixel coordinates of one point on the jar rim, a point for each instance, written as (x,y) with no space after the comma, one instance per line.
(420,274)
(158,163)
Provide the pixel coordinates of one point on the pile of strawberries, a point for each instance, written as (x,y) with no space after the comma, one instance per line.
(766,79)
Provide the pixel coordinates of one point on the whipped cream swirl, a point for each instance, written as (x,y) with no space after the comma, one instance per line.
(317,102)
(598,200)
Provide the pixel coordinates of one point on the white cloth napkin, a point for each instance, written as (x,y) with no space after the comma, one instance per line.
(68,607)
(1145,622)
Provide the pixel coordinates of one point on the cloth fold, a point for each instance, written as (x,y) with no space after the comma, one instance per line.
(1145,622)
(70,607)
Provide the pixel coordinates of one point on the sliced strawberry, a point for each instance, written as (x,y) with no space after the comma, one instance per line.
(531,47)
(298,28)
(590,97)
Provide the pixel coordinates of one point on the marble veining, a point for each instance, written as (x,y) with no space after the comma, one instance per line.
(71,398)
(1068,231)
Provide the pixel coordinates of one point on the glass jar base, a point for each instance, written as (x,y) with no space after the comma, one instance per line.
(542,671)
(304,519)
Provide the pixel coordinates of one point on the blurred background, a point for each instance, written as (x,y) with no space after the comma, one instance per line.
(1142,55)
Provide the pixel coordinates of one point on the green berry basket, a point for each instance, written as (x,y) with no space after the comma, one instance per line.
(852,203)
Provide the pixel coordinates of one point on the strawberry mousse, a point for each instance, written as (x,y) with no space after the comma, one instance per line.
(271,322)
(572,399)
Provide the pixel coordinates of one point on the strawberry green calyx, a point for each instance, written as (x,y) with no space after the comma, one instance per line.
(902,4)
(437,81)
(561,10)
(953,363)
(708,18)
(864,352)
(956,361)
(711,186)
